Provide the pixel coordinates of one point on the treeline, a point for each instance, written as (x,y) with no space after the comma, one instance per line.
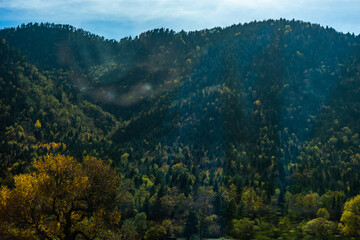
(63,198)
(250,129)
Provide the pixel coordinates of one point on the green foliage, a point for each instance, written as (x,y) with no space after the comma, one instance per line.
(257,122)
(156,232)
(243,229)
(252,201)
(350,219)
(323,213)
(320,228)
(140,223)
(305,205)
(128,230)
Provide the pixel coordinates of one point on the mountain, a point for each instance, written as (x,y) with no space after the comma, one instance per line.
(266,108)
(42,107)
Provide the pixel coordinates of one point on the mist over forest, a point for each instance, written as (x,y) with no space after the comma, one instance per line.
(247,132)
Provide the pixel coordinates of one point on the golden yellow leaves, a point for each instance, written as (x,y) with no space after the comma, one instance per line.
(251,200)
(37,124)
(351,218)
(62,198)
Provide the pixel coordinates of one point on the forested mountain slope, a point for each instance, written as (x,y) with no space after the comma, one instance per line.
(253,117)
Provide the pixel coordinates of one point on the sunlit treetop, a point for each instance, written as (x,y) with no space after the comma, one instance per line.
(62,199)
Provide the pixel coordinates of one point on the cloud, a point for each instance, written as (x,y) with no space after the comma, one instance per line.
(142,15)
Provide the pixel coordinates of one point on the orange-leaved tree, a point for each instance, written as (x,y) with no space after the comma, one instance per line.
(62,199)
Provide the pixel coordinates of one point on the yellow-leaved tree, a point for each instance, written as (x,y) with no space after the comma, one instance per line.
(350,219)
(62,199)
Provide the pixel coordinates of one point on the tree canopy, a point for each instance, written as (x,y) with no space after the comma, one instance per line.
(62,199)
(251,130)
(350,218)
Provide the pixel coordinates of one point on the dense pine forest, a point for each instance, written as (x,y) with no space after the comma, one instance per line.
(245,132)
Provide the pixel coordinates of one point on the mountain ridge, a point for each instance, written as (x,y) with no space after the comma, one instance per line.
(268,108)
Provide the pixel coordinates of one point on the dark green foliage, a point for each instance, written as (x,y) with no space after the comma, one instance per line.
(242,229)
(190,227)
(251,127)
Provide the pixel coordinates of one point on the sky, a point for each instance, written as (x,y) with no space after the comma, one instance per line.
(115,19)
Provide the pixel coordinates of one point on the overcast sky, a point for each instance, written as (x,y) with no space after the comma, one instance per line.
(120,18)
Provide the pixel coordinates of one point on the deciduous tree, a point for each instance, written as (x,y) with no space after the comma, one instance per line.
(351,218)
(62,199)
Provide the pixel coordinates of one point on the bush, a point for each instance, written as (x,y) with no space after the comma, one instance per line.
(242,229)
(320,228)
(156,232)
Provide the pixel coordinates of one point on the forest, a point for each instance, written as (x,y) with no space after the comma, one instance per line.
(245,132)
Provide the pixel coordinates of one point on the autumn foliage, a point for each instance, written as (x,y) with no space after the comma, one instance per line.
(61,199)
(248,131)
(351,218)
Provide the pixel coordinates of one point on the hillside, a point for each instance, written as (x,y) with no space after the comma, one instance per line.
(266,111)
